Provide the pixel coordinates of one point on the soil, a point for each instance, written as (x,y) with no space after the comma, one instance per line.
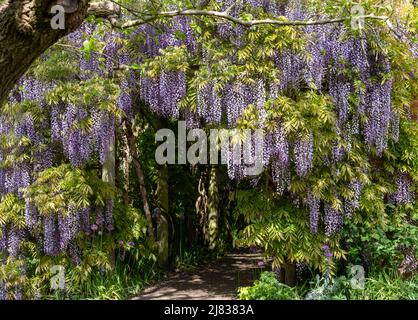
(219,280)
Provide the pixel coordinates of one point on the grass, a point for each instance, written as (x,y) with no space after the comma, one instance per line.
(125,282)
(379,286)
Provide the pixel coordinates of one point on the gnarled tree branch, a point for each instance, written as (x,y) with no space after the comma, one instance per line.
(25,33)
(148,17)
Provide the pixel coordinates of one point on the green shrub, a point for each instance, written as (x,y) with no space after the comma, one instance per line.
(268,288)
(387,287)
(382,286)
(379,247)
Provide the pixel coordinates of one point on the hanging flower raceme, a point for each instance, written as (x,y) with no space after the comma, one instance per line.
(303,155)
(163,94)
(403,193)
(333,220)
(353,203)
(209,107)
(314,211)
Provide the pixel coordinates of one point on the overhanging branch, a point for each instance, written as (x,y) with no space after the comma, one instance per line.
(147,18)
(104,9)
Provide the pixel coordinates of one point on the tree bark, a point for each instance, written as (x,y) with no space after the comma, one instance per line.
(123,165)
(109,166)
(414,110)
(26,32)
(290,273)
(163,229)
(140,174)
(213,208)
(109,176)
(201,206)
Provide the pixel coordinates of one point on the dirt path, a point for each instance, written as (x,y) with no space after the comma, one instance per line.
(217,281)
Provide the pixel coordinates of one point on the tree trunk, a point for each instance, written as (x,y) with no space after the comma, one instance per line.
(109,175)
(290,274)
(109,166)
(123,165)
(213,208)
(201,206)
(26,32)
(140,174)
(163,230)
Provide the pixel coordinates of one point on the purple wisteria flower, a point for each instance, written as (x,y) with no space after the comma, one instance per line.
(261,264)
(327,251)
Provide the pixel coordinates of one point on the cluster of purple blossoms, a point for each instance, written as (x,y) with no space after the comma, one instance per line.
(209,104)
(314,211)
(14,240)
(333,220)
(234,102)
(281,177)
(163,94)
(327,251)
(51,235)
(103,130)
(125,99)
(403,193)
(353,203)
(80,143)
(379,115)
(303,155)
(61,230)
(76,142)
(31,214)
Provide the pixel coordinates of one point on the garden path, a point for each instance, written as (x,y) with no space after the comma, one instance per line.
(219,280)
